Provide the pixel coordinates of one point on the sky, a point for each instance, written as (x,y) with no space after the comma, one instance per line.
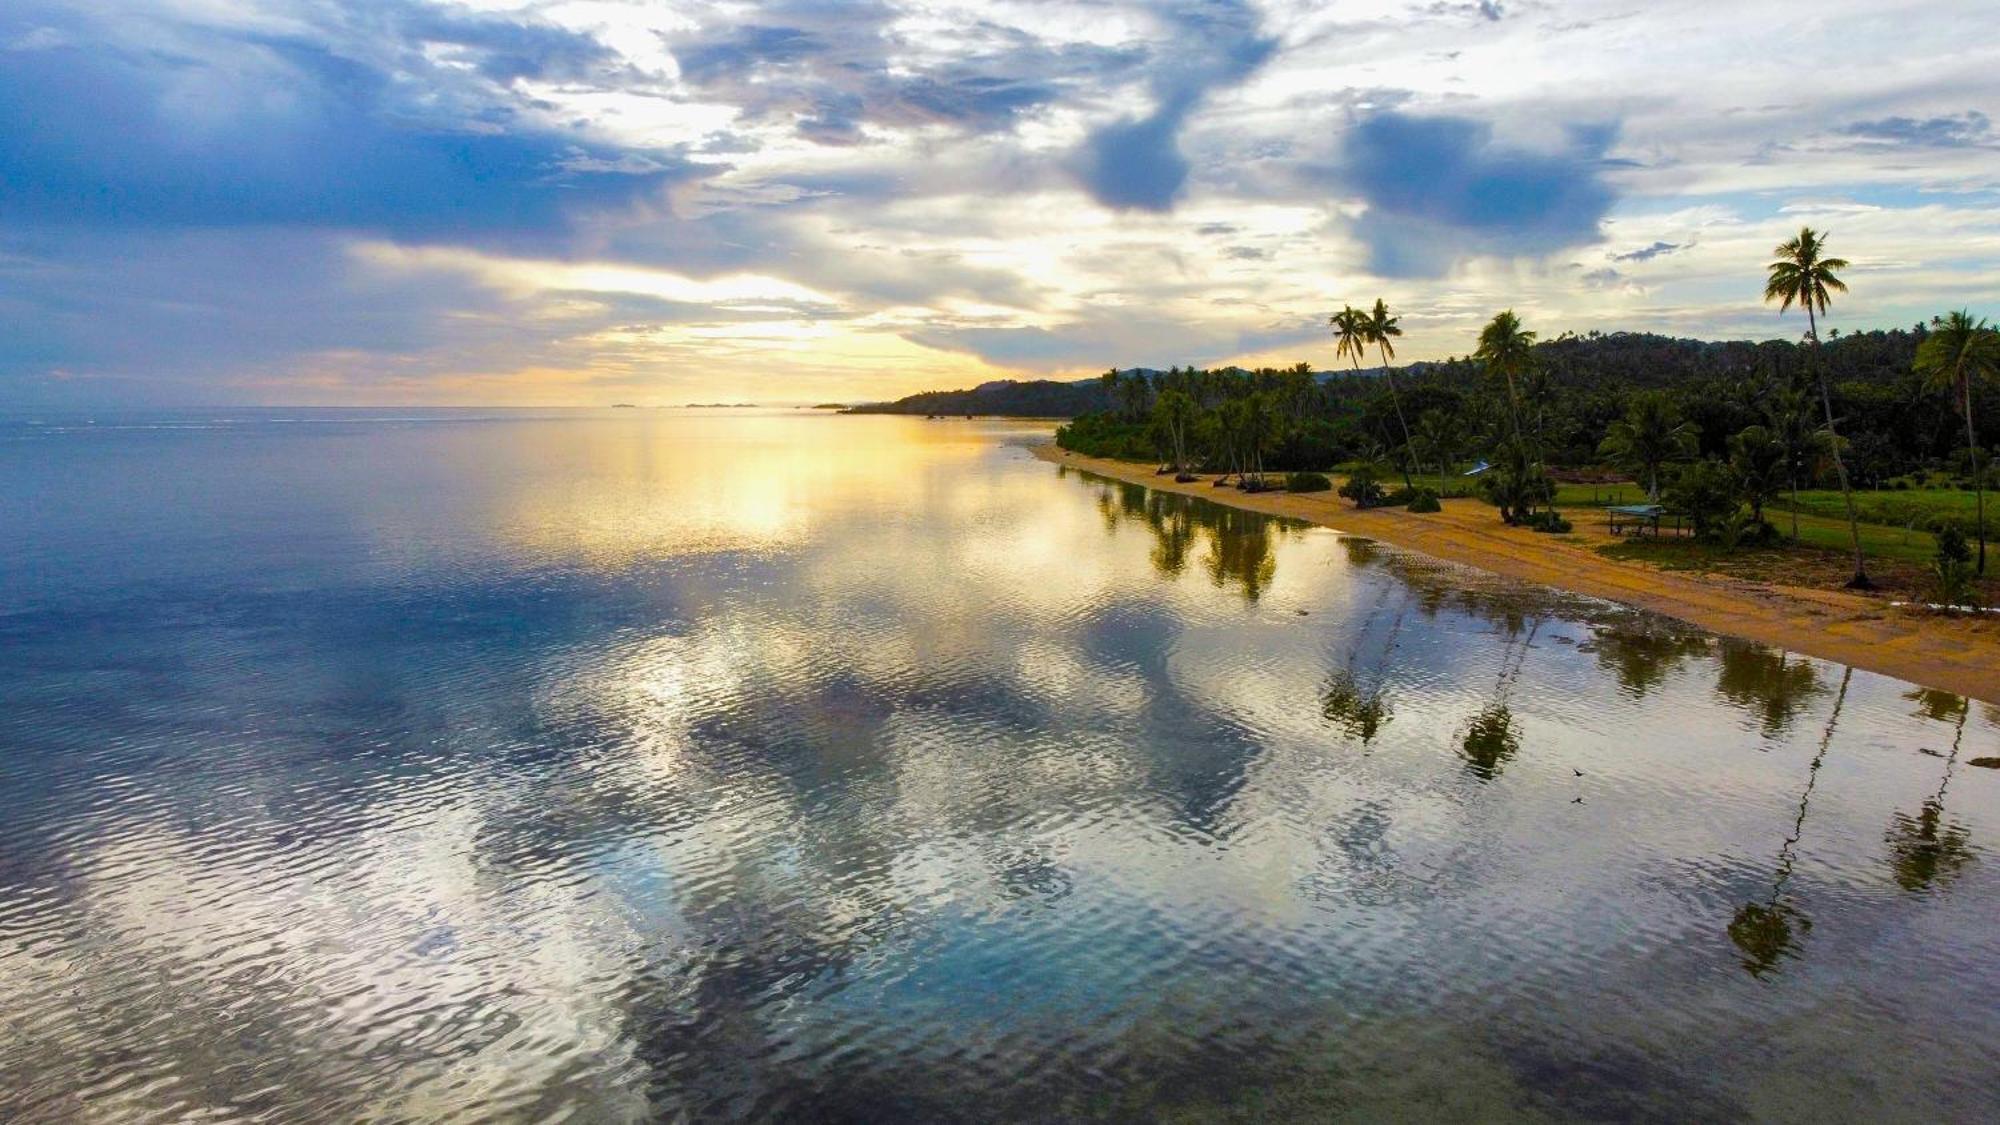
(576,202)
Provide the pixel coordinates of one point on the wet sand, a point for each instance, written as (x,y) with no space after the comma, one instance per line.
(1953,654)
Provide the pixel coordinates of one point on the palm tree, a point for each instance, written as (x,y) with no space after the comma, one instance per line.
(1959,351)
(1353,333)
(1650,435)
(1382,330)
(1437,436)
(1758,460)
(1803,275)
(1175,412)
(1792,427)
(1506,348)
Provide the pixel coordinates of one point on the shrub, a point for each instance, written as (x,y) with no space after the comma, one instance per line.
(1399,497)
(1362,488)
(1705,492)
(1549,521)
(1951,570)
(1425,501)
(1307,482)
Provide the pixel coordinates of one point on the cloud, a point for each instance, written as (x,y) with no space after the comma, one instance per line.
(1962,130)
(831,68)
(1647,253)
(1490,10)
(248,127)
(1442,189)
(1135,163)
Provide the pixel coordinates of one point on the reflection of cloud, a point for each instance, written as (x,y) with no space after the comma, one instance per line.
(956,758)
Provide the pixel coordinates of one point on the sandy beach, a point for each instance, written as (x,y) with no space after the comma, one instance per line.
(1959,655)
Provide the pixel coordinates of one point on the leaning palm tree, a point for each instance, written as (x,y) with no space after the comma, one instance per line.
(1382,331)
(1353,331)
(1958,352)
(1803,275)
(1507,349)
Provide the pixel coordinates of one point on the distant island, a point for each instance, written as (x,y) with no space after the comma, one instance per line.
(623,406)
(831,406)
(1040,398)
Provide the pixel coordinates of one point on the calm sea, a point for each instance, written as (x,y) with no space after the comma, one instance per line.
(696,763)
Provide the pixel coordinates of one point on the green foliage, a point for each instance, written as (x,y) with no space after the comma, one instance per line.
(1706,493)
(1307,482)
(1517,484)
(1425,501)
(1953,582)
(1758,460)
(1103,435)
(1650,435)
(1362,487)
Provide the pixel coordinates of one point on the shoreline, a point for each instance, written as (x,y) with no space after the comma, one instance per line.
(1958,655)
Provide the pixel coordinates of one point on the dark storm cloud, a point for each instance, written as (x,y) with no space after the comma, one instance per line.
(1136,163)
(1962,130)
(1440,189)
(351,126)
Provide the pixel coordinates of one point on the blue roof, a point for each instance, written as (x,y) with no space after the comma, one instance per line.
(1647,510)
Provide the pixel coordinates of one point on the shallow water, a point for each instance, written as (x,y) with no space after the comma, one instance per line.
(704,763)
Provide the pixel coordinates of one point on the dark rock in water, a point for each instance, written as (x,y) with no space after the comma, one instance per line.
(1986,763)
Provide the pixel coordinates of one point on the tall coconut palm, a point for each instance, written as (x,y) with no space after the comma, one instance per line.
(1353,331)
(1958,352)
(1507,349)
(1382,331)
(1804,275)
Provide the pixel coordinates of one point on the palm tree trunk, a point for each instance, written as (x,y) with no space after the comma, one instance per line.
(1860,580)
(1409,446)
(1978,482)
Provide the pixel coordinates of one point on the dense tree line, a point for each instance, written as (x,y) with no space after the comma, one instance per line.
(1716,431)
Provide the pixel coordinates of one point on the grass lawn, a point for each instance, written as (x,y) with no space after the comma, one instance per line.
(1915,508)
(1894,524)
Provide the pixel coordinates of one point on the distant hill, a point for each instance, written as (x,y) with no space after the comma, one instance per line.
(1040,398)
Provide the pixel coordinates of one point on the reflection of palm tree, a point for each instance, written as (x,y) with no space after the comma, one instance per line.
(1763,932)
(1490,740)
(1240,543)
(1173,535)
(1363,709)
(1768,683)
(1641,655)
(1925,850)
(1239,550)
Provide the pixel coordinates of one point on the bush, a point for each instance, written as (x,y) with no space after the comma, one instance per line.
(1362,488)
(1705,492)
(1425,501)
(1103,435)
(1307,482)
(1548,521)
(1399,497)
(1952,582)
